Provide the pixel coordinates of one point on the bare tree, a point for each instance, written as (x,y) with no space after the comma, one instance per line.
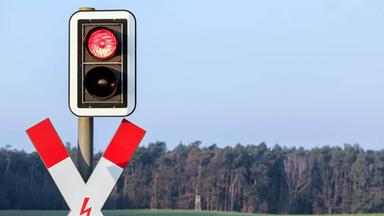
(297,171)
(8,158)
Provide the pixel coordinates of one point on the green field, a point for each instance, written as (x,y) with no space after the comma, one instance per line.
(128,213)
(143,212)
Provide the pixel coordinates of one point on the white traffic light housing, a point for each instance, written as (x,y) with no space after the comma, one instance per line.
(102,63)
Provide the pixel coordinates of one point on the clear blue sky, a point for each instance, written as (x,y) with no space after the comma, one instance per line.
(297,73)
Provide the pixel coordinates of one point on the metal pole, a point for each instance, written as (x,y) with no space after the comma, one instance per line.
(85,138)
(85,142)
(86,9)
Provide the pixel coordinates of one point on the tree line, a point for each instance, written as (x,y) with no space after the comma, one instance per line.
(244,178)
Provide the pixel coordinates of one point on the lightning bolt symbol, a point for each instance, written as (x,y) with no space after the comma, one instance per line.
(83,210)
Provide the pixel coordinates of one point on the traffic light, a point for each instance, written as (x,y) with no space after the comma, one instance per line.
(102,63)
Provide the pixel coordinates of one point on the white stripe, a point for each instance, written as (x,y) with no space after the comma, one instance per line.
(69,182)
(102,182)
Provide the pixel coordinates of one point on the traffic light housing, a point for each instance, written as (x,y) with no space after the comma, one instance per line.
(102,63)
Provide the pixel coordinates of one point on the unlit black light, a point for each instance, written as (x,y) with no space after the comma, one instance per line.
(101,82)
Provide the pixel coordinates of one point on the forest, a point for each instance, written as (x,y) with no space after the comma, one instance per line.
(243,178)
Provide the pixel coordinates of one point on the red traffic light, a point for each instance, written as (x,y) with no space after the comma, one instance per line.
(102,43)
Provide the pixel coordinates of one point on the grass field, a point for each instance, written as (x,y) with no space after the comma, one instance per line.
(127,213)
(143,212)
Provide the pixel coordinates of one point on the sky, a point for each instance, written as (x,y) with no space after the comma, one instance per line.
(293,73)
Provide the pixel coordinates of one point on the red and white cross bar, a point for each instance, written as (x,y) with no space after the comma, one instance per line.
(85,198)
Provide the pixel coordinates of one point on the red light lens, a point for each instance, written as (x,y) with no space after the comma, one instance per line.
(102,44)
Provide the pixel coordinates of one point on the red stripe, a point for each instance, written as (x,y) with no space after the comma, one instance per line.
(47,143)
(124,143)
